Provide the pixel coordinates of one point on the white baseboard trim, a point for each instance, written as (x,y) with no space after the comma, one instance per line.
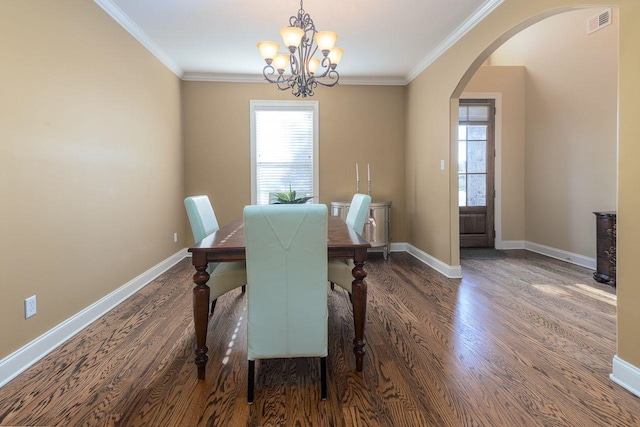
(455,272)
(450,271)
(626,375)
(510,244)
(398,247)
(570,257)
(18,361)
(577,259)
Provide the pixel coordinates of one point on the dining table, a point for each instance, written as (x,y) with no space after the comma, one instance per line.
(227,244)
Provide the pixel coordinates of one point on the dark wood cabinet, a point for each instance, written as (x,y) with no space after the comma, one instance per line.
(606,247)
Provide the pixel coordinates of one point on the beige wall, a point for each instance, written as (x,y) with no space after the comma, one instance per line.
(91,163)
(363,124)
(509,83)
(628,250)
(571,126)
(430,135)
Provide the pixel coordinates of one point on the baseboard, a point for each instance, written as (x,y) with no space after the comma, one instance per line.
(510,244)
(455,272)
(450,271)
(18,361)
(577,259)
(626,375)
(398,247)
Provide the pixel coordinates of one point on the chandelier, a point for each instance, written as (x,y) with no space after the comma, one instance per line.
(307,71)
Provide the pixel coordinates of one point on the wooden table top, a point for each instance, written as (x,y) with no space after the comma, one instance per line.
(229,241)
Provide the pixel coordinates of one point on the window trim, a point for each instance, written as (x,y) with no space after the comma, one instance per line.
(262,105)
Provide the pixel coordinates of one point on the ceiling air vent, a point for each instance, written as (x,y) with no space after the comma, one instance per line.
(598,21)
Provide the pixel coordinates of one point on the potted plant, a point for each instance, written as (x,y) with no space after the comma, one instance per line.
(289,198)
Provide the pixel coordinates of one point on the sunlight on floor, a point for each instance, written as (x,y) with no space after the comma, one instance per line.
(590,291)
(596,293)
(551,290)
(225,360)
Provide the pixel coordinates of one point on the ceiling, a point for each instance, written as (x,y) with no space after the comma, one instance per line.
(384,42)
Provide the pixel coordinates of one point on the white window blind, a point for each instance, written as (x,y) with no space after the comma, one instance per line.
(283,149)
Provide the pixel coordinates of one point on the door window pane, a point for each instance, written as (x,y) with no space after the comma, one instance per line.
(462,189)
(478,113)
(472,154)
(477,133)
(477,157)
(462,156)
(476,190)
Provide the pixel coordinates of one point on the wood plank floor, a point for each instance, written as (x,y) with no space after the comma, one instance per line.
(521,341)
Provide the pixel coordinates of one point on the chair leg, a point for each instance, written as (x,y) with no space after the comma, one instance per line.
(323,377)
(244,288)
(252,366)
(213,306)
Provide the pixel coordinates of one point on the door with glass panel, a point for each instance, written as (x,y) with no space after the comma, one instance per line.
(476,156)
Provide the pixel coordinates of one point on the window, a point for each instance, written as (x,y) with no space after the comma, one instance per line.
(472,154)
(284,148)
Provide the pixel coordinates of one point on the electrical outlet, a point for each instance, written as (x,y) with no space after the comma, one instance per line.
(175,237)
(29,307)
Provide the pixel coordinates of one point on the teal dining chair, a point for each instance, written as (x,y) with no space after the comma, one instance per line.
(340,270)
(223,276)
(286,249)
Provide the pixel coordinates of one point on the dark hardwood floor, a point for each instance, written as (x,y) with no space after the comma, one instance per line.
(521,341)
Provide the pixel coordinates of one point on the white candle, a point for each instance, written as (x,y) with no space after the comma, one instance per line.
(368,173)
(357,175)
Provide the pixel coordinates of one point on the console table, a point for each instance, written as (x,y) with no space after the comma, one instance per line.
(376,227)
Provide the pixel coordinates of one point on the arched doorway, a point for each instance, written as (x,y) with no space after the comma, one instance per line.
(565,146)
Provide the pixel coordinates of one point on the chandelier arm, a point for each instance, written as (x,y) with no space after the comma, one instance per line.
(326,65)
(333,78)
(267,71)
(296,64)
(284,85)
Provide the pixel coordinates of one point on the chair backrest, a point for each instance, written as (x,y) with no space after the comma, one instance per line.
(357,214)
(286,249)
(201,216)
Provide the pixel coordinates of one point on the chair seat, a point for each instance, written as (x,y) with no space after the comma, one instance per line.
(225,277)
(339,272)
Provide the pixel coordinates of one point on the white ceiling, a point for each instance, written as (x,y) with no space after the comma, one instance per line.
(384,41)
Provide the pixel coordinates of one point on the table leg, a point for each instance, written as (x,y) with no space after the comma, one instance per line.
(201,311)
(359,301)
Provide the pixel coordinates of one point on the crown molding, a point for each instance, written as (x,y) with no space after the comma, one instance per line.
(374,81)
(121,18)
(463,29)
(201,76)
(191,76)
